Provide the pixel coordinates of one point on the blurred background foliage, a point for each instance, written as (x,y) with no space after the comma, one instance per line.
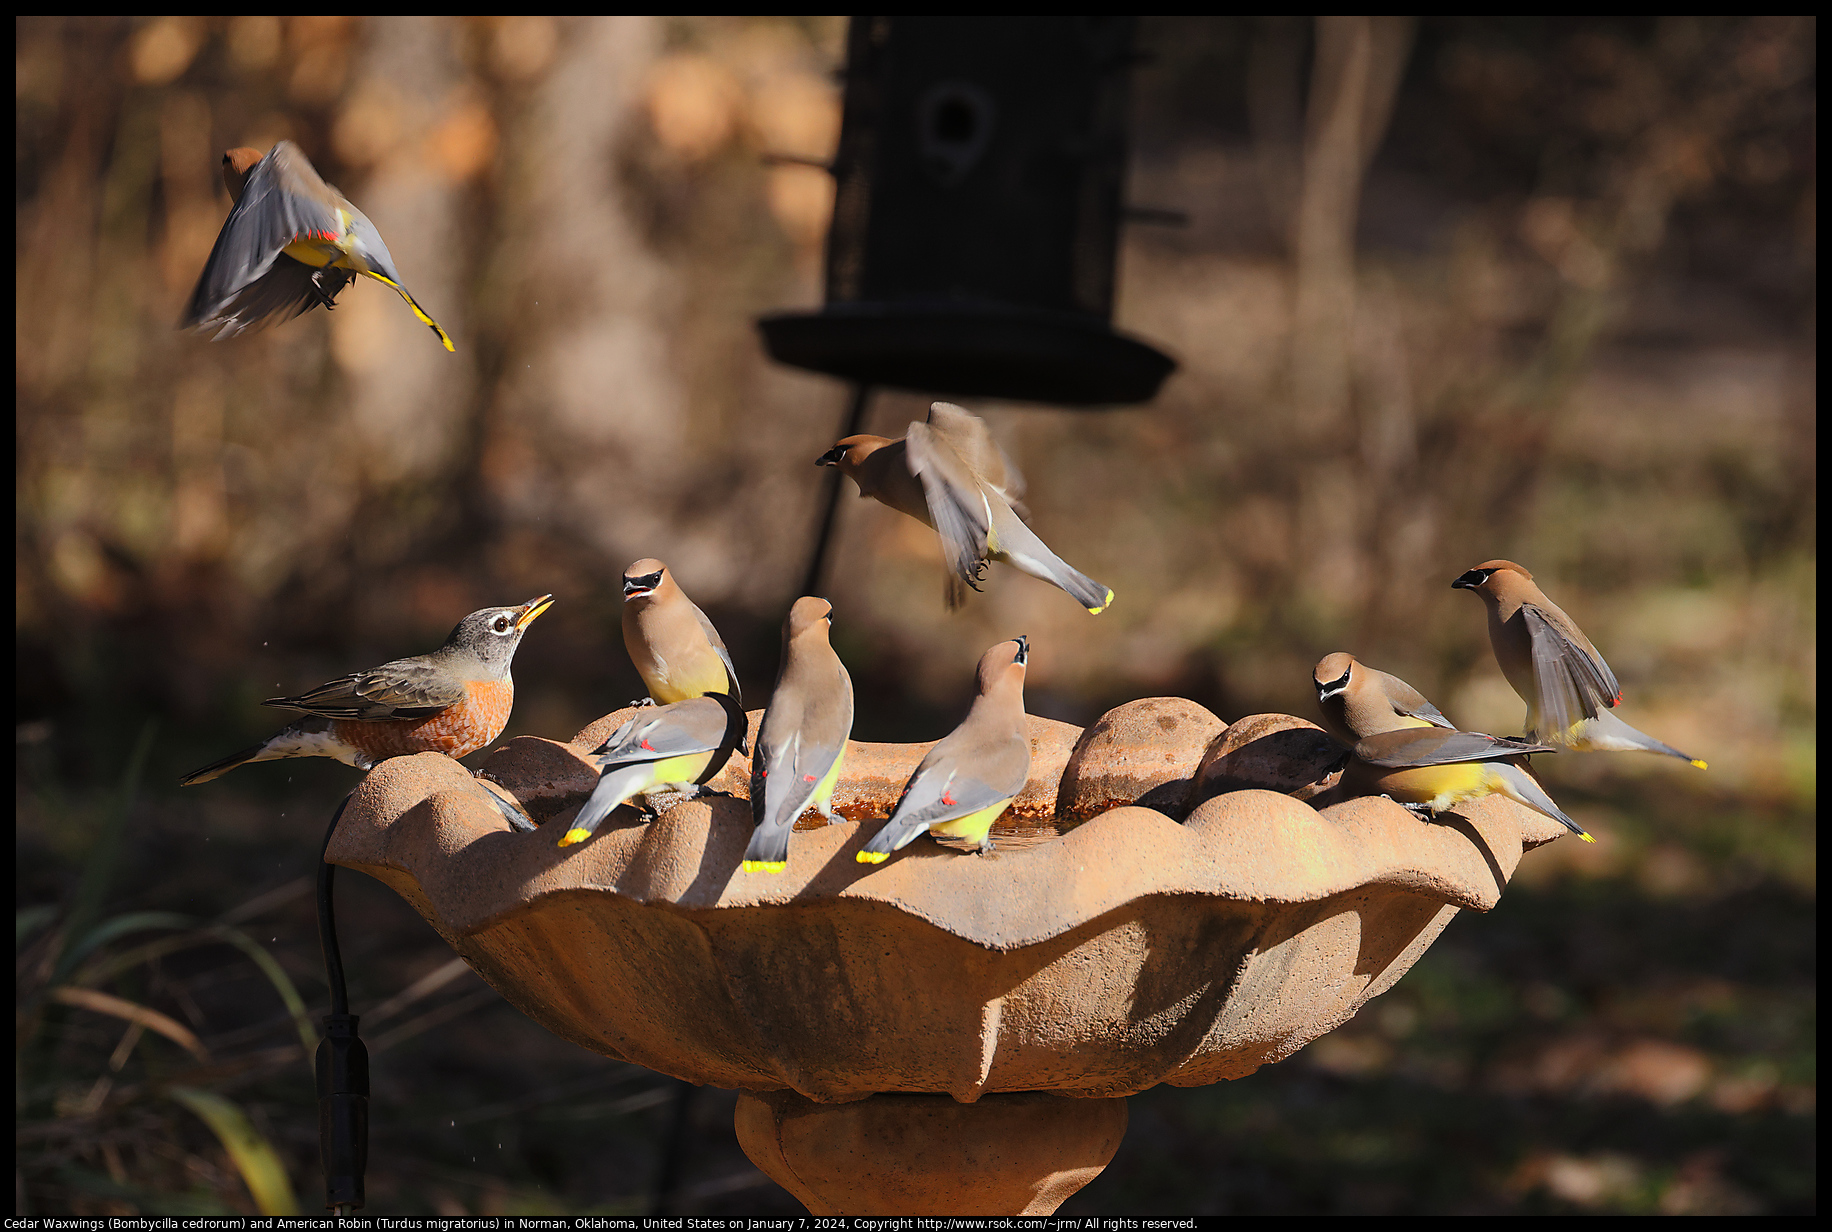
(1464,288)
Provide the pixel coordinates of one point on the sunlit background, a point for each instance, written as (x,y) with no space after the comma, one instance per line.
(1540,289)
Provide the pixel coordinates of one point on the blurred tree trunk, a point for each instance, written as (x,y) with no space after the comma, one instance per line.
(1359,62)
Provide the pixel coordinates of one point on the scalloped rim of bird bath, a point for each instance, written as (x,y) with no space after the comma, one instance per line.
(1128,949)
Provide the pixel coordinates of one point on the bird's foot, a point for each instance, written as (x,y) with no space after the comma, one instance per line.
(640,702)
(324,297)
(664,796)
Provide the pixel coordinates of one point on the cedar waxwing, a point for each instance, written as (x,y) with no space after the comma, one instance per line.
(670,748)
(676,650)
(1436,769)
(1358,701)
(803,738)
(291,243)
(950,474)
(454,701)
(1568,688)
(975,772)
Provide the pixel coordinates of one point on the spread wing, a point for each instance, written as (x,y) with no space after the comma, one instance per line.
(957,507)
(969,437)
(1435,746)
(281,294)
(404,689)
(1574,682)
(282,201)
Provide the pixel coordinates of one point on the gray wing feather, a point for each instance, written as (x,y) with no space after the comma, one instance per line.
(718,645)
(656,734)
(969,437)
(404,689)
(956,504)
(784,779)
(1574,684)
(282,293)
(1433,746)
(264,221)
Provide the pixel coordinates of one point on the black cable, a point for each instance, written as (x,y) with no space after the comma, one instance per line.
(342,1063)
(855,418)
(327,920)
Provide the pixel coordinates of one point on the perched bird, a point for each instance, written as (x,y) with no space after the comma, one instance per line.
(676,650)
(950,474)
(803,738)
(1435,769)
(290,244)
(454,701)
(1568,688)
(975,772)
(1358,701)
(675,747)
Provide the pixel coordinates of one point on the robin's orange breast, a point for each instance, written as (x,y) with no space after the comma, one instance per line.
(454,731)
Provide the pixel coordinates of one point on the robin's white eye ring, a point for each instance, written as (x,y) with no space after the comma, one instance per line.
(502,624)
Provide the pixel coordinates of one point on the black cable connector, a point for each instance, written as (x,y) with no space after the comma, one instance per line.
(342,1063)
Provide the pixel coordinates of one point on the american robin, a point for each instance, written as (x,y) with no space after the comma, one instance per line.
(290,244)
(454,701)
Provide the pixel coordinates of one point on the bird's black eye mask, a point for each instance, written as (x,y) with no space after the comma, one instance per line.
(1329,688)
(1472,579)
(832,457)
(643,585)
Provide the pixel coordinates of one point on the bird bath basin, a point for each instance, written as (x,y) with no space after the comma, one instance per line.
(1172,900)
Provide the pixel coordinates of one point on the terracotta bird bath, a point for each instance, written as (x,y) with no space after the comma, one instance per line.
(1172,900)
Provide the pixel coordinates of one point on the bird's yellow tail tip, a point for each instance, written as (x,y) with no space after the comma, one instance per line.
(1586,837)
(765,866)
(873,857)
(575,836)
(1104,605)
(1701,765)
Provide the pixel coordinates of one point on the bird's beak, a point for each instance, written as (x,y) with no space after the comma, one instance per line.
(831,457)
(1023,655)
(534,607)
(1469,581)
(636,588)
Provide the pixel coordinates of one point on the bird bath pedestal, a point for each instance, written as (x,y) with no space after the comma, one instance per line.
(1172,900)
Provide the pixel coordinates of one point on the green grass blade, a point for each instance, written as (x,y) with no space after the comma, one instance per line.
(99,868)
(276,975)
(253,1154)
(29,920)
(115,927)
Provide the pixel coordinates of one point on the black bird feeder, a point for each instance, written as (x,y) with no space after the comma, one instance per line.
(980,181)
